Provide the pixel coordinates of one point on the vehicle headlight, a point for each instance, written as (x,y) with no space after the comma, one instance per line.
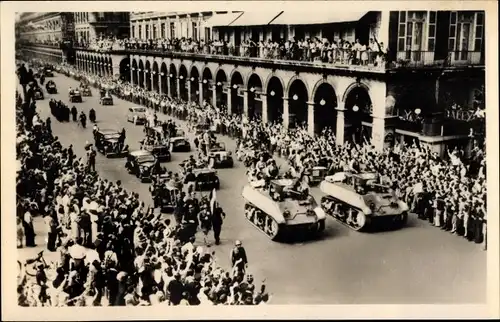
(287,213)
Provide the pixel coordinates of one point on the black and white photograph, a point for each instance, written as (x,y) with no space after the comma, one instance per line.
(260,154)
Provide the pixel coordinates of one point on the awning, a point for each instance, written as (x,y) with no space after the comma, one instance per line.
(222,20)
(317,17)
(256,18)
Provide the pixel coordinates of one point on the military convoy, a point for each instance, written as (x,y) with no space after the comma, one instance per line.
(358,201)
(276,209)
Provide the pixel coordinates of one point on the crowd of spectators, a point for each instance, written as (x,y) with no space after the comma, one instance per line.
(340,51)
(449,192)
(111,249)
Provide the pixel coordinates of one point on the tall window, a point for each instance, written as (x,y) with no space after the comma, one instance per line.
(410,33)
(195,31)
(133,31)
(172,30)
(162,32)
(461,33)
(478,35)
(154,32)
(140,32)
(147,32)
(431,37)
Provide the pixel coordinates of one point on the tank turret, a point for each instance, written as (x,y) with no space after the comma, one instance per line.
(275,208)
(358,201)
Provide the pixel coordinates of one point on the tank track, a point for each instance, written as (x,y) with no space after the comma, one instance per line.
(257,218)
(359,221)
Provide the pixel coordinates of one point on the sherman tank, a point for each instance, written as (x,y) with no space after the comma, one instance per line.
(276,210)
(358,201)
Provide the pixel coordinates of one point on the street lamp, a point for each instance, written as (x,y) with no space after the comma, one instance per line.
(272,93)
(295,97)
(170,75)
(162,74)
(235,86)
(181,77)
(219,84)
(192,79)
(355,108)
(322,102)
(204,81)
(197,92)
(418,111)
(252,89)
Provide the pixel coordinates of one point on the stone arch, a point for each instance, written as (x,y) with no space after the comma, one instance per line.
(125,69)
(243,78)
(164,78)
(325,102)
(318,85)
(274,90)
(183,75)
(172,76)
(291,81)
(140,72)
(297,104)
(135,78)
(357,103)
(193,66)
(156,74)
(220,72)
(353,86)
(253,74)
(254,87)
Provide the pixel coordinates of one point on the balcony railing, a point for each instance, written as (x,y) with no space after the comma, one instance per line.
(413,59)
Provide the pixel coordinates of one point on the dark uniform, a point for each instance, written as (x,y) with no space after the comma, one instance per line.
(218,217)
(239,253)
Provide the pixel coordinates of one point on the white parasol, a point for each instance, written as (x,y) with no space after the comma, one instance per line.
(77,252)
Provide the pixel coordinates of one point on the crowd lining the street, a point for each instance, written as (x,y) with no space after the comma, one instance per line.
(111,249)
(450,193)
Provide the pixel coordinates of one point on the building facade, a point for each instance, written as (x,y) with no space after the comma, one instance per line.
(92,25)
(45,27)
(171,25)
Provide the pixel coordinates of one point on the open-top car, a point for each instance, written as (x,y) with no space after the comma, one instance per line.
(219,157)
(85,89)
(161,152)
(38,93)
(179,142)
(48,71)
(107,142)
(137,115)
(143,165)
(75,96)
(107,99)
(206,179)
(51,87)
